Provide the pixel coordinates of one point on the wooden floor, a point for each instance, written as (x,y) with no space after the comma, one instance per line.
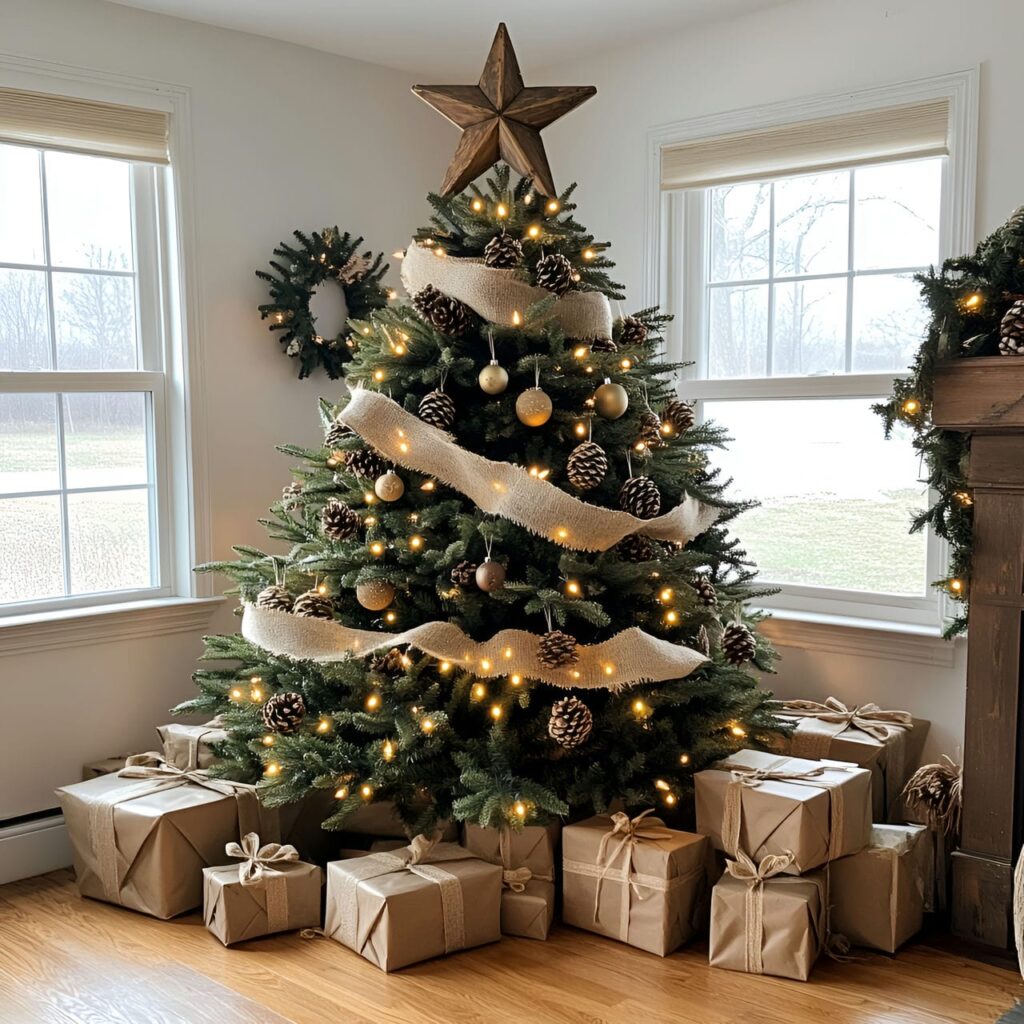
(64,960)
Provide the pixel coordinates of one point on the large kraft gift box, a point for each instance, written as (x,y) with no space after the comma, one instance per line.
(767,922)
(878,895)
(765,804)
(882,741)
(188,746)
(413,904)
(381,819)
(527,860)
(142,837)
(633,879)
(270,891)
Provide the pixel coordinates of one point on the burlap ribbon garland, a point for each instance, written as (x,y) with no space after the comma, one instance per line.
(629,657)
(496,294)
(421,857)
(266,867)
(152,769)
(514,877)
(507,490)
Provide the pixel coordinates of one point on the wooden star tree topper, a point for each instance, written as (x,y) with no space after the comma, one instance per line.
(501,119)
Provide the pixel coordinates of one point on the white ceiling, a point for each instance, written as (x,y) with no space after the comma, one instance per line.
(446,40)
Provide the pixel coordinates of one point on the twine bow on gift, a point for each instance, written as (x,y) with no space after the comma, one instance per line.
(755,875)
(259,861)
(514,878)
(869,718)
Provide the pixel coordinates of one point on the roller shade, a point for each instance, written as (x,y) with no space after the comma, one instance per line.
(868,136)
(83,126)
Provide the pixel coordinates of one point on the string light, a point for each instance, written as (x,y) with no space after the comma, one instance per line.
(738,731)
(589,254)
(670,799)
(440,253)
(268,740)
(427,485)
(581,351)
(427,725)
(684,759)
(485,665)
(387,751)
(496,711)
(415,542)
(572,588)
(321,588)
(478,691)
(517,318)
(370,521)
(366,791)
(369,497)
(973,301)
(519,809)
(378,375)
(366,331)
(507,653)
(236,693)
(580,429)
(516,679)
(964,497)
(561,533)
(626,364)
(341,793)
(528,199)
(608,669)
(273,769)
(665,595)
(406,661)
(377,549)
(641,708)
(501,211)
(390,618)
(552,206)
(324,725)
(256,694)
(539,472)
(671,617)
(533,231)
(956,586)
(445,667)
(477,205)
(373,702)
(911,406)
(662,785)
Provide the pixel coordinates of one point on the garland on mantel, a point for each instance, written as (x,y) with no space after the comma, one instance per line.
(977,309)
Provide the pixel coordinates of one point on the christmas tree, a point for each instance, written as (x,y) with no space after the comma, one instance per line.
(510,591)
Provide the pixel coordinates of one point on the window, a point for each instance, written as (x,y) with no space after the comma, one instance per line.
(788,257)
(85,321)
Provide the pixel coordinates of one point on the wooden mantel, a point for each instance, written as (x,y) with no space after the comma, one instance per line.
(985,397)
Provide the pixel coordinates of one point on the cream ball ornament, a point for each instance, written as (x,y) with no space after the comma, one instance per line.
(611,400)
(490,575)
(389,487)
(493,378)
(375,595)
(533,407)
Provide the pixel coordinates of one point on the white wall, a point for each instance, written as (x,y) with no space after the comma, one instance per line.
(801,49)
(284,137)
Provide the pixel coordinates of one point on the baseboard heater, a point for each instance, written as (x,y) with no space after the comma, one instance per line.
(33,845)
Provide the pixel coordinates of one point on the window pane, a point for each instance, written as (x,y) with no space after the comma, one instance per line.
(738,223)
(810,327)
(889,321)
(24,321)
(105,441)
(738,332)
(88,201)
(897,215)
(95,320)
(835,510)
(30,549)
(812,224)
(29,460)
(21,208)
(109,541)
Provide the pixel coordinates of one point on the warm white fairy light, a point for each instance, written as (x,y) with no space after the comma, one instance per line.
(341,793)
(366,791)
(268,740)
(272,769)
(478,691)
(373,702)
(496,711)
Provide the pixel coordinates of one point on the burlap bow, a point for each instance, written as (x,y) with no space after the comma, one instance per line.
(755,875)
(869,718)
(258,860)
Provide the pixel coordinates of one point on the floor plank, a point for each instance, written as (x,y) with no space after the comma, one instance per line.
(65,960)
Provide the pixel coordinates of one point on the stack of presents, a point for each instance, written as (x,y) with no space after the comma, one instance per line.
(792,849)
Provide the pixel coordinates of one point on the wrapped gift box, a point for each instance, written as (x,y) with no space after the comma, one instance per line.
(633,880)
(881,741)
(270,891)
(527,860)
(413,904)
(765,804)
(895,868)
(109,765)
(142,837)
(767,922)
(188,746)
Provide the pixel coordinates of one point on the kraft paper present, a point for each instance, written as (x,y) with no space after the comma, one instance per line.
(767,922)
(763,804)
(633,880)
(527,860)
(142,837)
(188,746)
(109,765)
(414,904)
(270,891)
(865,735)
(878,895)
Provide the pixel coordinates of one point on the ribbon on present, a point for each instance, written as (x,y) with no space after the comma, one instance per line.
(266,867)
(154,775)
(869,718)
(514,877)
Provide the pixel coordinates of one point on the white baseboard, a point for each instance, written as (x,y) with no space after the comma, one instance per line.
(33,848)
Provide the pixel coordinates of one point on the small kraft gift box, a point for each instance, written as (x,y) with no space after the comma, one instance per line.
(766,804)
(866,735)
(527,860)
(142,837)
(188,746)
(896,869)
(404,906)
(270,891)
(633,879)
(766,922)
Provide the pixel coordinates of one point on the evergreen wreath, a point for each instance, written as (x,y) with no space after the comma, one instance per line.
(325,255)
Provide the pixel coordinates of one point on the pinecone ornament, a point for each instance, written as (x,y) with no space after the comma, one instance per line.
(464,573)
(338,521)
(392,662)
(336,433)
(290,495)
(639,496)
(423,301)
(554,273)
(650,429)
(678,415)
(738,644)
(557,649)
(438,409)
(603,345)
(586,466)
(706,593)
(313,605)
(503,252)
(570,723)
(365,463)
(445,314)
(1011,331)
(284,712)
(275,598)
(632,331)
(636,548)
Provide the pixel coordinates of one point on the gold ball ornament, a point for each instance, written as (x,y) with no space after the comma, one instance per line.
(490,576)
(533,407)
(493,378)
(376,595)
(611,400)
(389,487)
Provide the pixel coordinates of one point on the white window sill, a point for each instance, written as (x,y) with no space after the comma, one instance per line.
(76,627)
(835,634)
